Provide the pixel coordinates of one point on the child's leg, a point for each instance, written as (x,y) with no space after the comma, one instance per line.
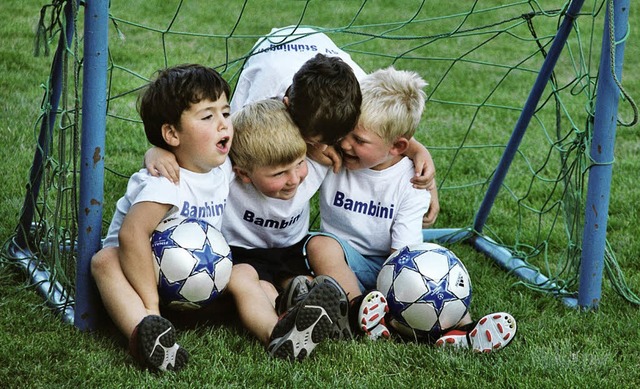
(326,257)
(254,300)
(123,304)
(151,337)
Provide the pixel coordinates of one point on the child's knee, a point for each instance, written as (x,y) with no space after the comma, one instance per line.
(103,261)
(324,249)
(320,244)
(241,273)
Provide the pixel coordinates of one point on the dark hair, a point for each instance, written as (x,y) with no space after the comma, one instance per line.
(172,92)
(325,98)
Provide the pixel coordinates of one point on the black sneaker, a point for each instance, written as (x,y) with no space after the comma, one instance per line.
(338,314)
(298,289)
(304,326)
(157,344)
(293,294)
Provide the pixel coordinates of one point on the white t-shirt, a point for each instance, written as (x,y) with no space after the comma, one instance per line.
(277,57)
(374,210)
(253,220)
(199,195)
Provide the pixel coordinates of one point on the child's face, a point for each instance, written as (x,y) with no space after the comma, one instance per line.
(280,182)
(205,135)
(363,149)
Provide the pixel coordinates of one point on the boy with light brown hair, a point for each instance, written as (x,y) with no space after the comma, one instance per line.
(266,223)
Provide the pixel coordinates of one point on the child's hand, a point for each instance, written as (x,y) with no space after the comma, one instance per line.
(425,173)
(423,164)
(325,155)
(161,162)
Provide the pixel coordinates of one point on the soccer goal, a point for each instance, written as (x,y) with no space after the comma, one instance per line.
(521,119)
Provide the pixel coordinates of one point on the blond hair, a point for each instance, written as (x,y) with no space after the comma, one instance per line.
(392,103)
(265,135)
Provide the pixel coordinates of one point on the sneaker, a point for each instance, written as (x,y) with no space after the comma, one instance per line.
(293,294)
(491,333)
(298,289)
(157,345)
(339,313)
(371,311)
(380,331)
(304,326)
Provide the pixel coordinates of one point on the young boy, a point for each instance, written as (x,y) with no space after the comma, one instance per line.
(266,221)
(318,82)
(310,74)
(369,210)
(185,110)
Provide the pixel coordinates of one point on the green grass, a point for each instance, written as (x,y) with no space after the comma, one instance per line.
(555,347)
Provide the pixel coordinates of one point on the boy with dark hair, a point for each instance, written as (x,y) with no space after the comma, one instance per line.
(185,110)
(318,82)
(315,79)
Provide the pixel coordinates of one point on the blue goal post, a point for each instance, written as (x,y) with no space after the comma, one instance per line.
(598,189)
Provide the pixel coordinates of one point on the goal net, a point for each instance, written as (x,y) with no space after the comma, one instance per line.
(517,196)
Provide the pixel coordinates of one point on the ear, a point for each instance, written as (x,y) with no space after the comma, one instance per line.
(399,146)
(170,135)
(285,100)
(242,174)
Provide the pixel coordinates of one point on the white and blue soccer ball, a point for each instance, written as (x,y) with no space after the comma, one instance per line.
(193,262)
(428,289)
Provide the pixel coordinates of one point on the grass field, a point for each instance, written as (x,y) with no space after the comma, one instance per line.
(556,347)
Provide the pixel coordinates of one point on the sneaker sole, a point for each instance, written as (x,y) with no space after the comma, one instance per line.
(453,338)
(329,289)
(158,345)
(493,332)
(380,331)
(309,326)
(372,310)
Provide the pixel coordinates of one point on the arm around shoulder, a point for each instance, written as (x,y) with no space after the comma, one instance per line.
(425,169)
(161,162)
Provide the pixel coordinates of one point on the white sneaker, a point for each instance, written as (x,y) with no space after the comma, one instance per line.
(371,312)
(491,333)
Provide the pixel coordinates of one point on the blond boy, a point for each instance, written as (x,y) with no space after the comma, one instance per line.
(368,209)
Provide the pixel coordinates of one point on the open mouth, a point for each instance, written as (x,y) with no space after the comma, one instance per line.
(222,144)
(348,157)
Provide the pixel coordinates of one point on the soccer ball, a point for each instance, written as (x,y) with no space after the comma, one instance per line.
(428,289)
(193,262)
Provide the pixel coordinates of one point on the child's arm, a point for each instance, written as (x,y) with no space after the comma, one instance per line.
(423,163)
(136,258)
(425,178)
(325,155)
(161,162)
